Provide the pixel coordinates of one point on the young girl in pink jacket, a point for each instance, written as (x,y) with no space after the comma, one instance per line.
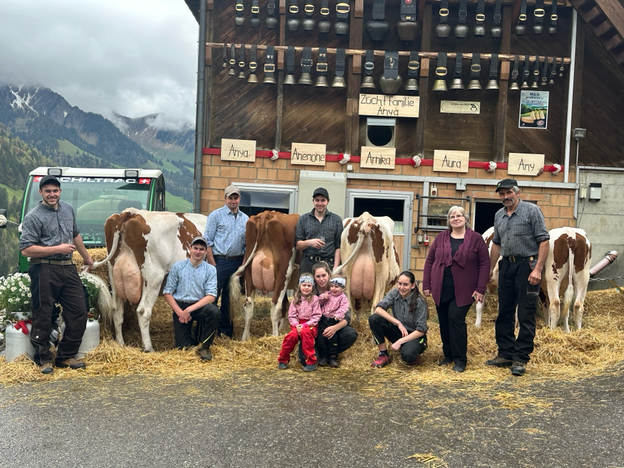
(334,305)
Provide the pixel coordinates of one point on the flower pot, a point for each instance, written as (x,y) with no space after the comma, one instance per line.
(17,343)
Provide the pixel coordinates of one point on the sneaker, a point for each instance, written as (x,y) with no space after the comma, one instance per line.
(72,363)
(322,362)
(46,368)
(499,361)
(381,361)
(460,367)
(333,362)
(282,366)
(518,368)
(445,361)
(415,362)
(204,354)
(309,367)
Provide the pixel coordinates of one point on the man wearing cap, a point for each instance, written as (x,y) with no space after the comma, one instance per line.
(520,236)
(318,234)
(49,237)
(191,292)
(225,235)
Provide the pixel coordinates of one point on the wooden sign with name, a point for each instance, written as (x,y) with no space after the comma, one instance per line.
(374,157)
(379,105)
(525,164)
(307,154)
(450,161)
(238,150)
(460,107)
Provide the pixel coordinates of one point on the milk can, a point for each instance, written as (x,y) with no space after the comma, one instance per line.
(17,343)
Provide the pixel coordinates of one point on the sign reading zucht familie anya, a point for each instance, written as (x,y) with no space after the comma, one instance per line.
(375,157)
(450,160)
(238,150)
(307,154)
(379,105)
(525,164)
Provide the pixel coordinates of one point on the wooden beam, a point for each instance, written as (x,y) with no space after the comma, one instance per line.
(577,94)
(423,84)
(500,124)
(279,104)
(352,121)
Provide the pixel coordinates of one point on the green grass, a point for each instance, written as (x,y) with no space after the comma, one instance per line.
(177,204)
(70,149)
(170,167)
(12,193)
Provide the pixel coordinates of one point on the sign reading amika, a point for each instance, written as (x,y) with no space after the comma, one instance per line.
(525,164)
(238,150)
(379,105)
(374,157)
(307,154)
(450,161)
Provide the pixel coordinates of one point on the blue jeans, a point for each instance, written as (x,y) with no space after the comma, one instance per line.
(225,269)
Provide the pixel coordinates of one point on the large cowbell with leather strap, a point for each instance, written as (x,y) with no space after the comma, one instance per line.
(341,26)
(391,81)
(377,29)
(408,28)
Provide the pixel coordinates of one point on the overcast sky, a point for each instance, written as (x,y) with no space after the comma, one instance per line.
(134,57)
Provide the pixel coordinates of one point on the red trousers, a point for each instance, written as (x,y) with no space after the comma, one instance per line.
(307,336)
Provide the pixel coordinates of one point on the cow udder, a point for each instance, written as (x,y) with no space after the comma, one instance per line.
(127,278)
(263,272)
(362,280)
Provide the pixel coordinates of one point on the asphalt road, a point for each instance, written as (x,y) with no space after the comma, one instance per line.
(325,419)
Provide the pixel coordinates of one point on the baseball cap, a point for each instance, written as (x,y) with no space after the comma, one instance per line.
(506,183)
(199,239)
(49,180)
(320,192)
(231,190)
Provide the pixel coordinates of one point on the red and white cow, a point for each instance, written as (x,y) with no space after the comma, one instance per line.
(142,248)
(567,266)
(371,262)
(268,265)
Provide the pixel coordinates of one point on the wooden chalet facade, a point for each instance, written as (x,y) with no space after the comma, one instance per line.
(413,156)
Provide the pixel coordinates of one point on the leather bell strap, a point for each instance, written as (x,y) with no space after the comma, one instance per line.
(444,11)
(526,70)
(553,69)
(441,69)
(269,64)
(342,10)
(458,66)
(480,12)
(523,9)
(232,60)
(379,10)
(306,60)
(498,15)
(516,68)
(290,60)
(414,65)
(553,14)
(369,64)
(309,8)
(241,57)
(408,10)
(225,57)
(545,72)
(391,65)
(340,62)
(561,67)
(325,9)
(536,71)
(255,14)
(475,66)
(463,11)
(240,8)
(321,64)
(271,10)
(494,67)
(293,9)
(539,13)
(253,60)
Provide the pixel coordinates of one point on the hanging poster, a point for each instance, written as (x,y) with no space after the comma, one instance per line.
(533,109)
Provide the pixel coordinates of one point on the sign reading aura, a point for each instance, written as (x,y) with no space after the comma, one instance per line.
(379,105)
(450,161)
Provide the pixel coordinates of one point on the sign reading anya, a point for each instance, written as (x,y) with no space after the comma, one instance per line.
(374,157)
(238,150)
(450,161)
(307,154)
(379,105)
(525,164)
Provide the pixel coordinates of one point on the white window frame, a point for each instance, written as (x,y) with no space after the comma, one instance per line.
(293,190)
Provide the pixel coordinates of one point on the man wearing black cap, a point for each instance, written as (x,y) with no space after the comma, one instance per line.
(49,237)
(520,236)
(191,291)
(318,234)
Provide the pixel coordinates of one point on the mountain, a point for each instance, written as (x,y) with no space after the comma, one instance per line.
(69,136)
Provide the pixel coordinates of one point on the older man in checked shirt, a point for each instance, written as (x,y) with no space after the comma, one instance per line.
(225,235)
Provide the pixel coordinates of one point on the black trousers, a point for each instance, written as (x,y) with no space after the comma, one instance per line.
(207,319)
(50,284)
(225,269)
(514,290)
(382,329)
(307,263)
(346,336)
(452,319)
(326,347)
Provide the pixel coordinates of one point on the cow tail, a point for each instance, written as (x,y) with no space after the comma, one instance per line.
(112,252)
(356,249)
(105,303)
(568,296)
(235,287)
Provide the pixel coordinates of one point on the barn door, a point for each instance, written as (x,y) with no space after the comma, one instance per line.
(396,205)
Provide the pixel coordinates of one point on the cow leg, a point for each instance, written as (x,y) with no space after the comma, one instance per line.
(581,291)
(248,307)
(479,308)
(118,317)
(144,311)
(555,304)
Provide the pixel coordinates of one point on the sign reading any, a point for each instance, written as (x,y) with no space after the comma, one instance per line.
(525,164)
(307,154)
(450,161)
(373,157)
(379,105)
(460,107)
(238,150)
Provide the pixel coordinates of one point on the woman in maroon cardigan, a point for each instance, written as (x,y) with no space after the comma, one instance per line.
(456,272)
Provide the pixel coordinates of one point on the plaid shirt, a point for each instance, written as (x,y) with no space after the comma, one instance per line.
(520,233)
(334,307)
(45,226)
(400,310)
(225,233)
(191,284)
(310,311)
(330,227)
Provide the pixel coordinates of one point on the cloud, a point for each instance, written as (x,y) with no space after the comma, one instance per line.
(132,57)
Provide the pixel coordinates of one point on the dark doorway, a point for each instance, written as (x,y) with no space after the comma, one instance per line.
(484,215)
(379,207)
(255,202)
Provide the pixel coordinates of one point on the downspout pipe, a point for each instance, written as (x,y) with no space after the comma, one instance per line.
(568,139)
(199,118)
